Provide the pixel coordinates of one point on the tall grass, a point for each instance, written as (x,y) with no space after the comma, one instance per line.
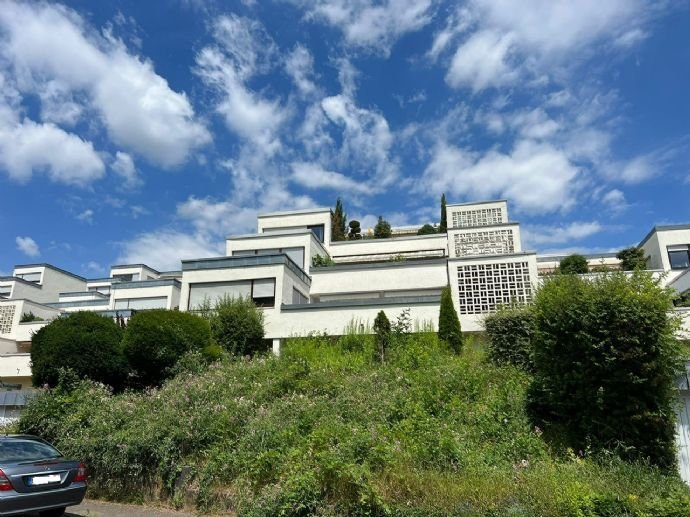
(327,429)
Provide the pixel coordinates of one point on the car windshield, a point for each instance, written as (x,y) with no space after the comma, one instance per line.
(18,451)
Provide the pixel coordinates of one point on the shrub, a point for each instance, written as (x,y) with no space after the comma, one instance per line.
(382,230)
(574,265)
(237,325)
(632,258)
(355,230)
(382,328)
(321,261)
(427,229)
(449,329)
(605,361)
(84,342)
(510,332)
(28,317)
(155,340)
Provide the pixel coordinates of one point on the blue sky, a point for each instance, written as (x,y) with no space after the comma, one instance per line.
(148,131)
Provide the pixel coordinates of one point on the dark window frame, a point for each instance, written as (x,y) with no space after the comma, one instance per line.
(681,252)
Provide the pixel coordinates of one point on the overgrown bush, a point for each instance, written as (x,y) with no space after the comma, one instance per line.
(449,329)
(573,265)
(84,342)
(327,430)
(237,325)
(382,329)
(382,230)
(28,317)
(155,340)
(605,361)
(510,332)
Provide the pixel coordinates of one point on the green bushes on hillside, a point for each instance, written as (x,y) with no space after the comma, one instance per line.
(327,429)
(155,340)
(605,360)
(84,342)
(237,325)
(510,332)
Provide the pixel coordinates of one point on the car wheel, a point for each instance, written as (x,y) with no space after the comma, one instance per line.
(55,512)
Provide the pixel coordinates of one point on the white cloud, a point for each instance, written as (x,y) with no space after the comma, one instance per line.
(43,43)
(86,216)
(507,39)
(370,24)
(27,246)
(615,200)
(538,178)
(165,249)
(299,64)
(313,176)
(237,56)
(123,165)
(94,267)
(563,234)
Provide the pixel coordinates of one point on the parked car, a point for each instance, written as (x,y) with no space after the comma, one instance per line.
(36,477)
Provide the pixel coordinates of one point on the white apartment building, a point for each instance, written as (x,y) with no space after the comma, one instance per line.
(480,257)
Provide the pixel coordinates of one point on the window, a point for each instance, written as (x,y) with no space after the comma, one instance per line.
(160,302)
(262,291)
(5,291)
(318,230)
(103,289)
(30,277)
(679,257)
(296,253)
(127,277)
(298,298)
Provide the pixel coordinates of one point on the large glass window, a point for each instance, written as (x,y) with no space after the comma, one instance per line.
(298,298)
(159,302)
(130,277)
(30,277)
(5,291)
(318,230)
(262,291)
(679,257)
(296,253)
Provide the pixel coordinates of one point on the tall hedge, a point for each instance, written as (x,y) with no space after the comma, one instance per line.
(510,332)
(155,340)
(84,342)
(237,325)
(448,322)
(605,361)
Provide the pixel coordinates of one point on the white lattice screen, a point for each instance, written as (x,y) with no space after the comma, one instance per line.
(487,242)
(484,287)
(6,318)
(477,217)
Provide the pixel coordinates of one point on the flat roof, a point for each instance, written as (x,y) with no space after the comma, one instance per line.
(17,279)
(143,284)
(121,266)
(547,258)
(392,238)
(364,302)
(296,212)
(49,266)
(277,259)
(470,203)
(346,266)
(663,228)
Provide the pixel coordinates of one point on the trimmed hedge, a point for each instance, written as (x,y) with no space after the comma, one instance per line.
(510,332)
(605,361)
(237,325)
(155,340)
(84,342)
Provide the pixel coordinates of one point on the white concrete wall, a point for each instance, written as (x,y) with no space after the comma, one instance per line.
(307,240)
(53,282)
(548,264)
(335,320)
(21,307)
(487,243)
(16,369)
(297,220)
(668,238)
(170,292)
(683,313)
(22,290)
(383,249)
(653,254)
(144,272)
(74,297)
(379,278)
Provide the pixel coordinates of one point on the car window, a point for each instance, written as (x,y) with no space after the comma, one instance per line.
(15,451)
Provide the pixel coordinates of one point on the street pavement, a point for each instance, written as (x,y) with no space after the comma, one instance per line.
(103,509)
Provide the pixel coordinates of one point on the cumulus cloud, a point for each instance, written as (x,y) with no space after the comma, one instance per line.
(370,24)
(27,246)
(123,165)
(299,64)
(313,176)
(537,177)
(539,235)
(615,200)
(506,40)
(165,249)
(51,51)
(85,216)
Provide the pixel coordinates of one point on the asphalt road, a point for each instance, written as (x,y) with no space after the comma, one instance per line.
(101,509)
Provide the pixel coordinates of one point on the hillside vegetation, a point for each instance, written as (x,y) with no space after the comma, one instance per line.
(329,429)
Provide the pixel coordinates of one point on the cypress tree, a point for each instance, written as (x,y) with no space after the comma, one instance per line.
(443,226)
(382,327)
(338,226)
(448,323)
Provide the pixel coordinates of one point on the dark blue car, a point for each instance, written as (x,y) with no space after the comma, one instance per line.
(36,477)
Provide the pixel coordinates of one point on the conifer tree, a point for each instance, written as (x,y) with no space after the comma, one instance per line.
(382,230)
(382,328)
(448,323)
(443,226)
(338,219)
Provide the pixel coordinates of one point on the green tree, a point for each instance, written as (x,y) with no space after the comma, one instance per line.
(427,229)
(382,328)
(155,340)
(382,230)
(237,325)
(338,222)
(355,231)
(605,361)
(448,322)
(84,342)
(632,258)
(574,265)
(443,226)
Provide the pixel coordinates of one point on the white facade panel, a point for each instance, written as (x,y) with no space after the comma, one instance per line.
(657,246)
(417,246)
(488,240)
(297,220)
(469,215)
(280,243)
